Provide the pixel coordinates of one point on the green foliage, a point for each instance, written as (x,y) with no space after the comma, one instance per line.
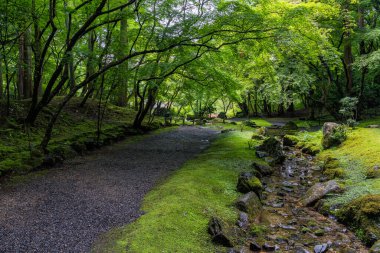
(348,109)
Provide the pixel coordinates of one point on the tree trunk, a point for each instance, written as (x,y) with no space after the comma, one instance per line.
(1,77)
(123,68)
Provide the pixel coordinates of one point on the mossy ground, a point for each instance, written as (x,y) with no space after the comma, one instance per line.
(178,210)
(75,126)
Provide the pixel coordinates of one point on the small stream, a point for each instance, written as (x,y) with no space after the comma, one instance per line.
(292,227)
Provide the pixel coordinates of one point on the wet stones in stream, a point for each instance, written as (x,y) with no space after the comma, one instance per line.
(279,218)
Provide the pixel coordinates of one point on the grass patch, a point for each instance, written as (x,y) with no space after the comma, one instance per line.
(178,211)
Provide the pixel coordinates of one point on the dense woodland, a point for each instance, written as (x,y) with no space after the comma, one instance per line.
(190,57)
(261,174)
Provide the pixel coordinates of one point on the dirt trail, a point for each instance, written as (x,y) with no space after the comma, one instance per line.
(66,209)
(294,228)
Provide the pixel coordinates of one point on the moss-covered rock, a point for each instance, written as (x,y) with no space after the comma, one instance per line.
(333,134)
(290,140)
(273,147)
(249,203)
(373,172)
(248,182)
(363,215)
(262,168)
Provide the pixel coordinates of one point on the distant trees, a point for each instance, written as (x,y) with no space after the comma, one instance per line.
(265,57)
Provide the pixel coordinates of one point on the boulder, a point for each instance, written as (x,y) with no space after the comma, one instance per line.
(247,182)
(375,248)
(363,213)
(250,204)
(273,147)
(263,169)
(318,191)
(217,233)
(329,138)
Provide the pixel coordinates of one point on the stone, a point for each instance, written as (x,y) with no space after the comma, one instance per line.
(301,250)
(321,248)
(318,191)
(373,126)
(269,247)
(254,246)
(328,139)
(214,226)
(273,147)
(261,154)
(217,233)
(247,182)
(222,239)
(375,248)
(250,204)
(243,220)
(264,169)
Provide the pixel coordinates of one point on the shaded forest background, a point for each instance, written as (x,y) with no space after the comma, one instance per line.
(186,58)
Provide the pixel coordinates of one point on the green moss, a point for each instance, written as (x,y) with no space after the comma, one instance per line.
(255,184)
(305,230)
(363,215)
(319,232)
(258,230)
(179,209)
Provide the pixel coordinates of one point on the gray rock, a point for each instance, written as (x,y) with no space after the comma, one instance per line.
(263,169)
(321,248)
(261,154)
(318,191)
(214,226)
(247,182)
(273,147)
(243,220)
(250,204)
(328,130)
(375,248)
(217,233)
(254,246)
(373,126)
(269,247)
(301,250)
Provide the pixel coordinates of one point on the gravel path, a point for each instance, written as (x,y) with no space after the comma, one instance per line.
(66,209)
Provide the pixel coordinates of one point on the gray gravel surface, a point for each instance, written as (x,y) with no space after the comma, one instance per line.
(68,207)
